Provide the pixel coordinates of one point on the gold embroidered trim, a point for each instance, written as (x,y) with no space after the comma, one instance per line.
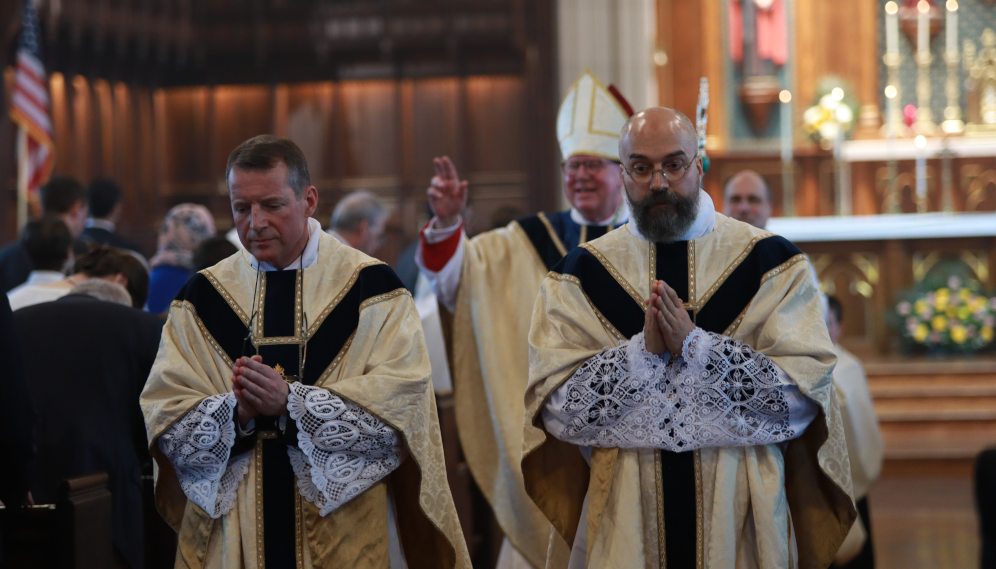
(187,305)
(601,317)
(260,550)
(729,270)
(661,530)
(258,339)
(699,557)
(298,528)
(767,276)
(778,270)
(335,363)
(653,269)
(616,275)
(584,235)
(228,297)
(553,234)
(691,273)
(382,297)
(338,298)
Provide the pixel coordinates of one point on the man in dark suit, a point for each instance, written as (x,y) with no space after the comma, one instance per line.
(17,419)
(61,197)
(105,211)
(86,399)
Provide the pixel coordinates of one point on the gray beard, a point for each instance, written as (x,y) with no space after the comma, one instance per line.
(664,225)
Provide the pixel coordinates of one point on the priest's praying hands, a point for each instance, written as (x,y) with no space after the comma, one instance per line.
(259,389)
(666,325)
(447,193)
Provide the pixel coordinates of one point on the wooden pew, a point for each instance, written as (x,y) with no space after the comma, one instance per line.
(73,533)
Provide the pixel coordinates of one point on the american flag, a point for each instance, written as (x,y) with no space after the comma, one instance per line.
(30,107)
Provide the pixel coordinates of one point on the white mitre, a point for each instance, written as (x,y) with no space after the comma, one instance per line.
(590,119)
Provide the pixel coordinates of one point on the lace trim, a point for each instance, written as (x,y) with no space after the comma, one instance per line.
(199,447)
(343,449)
(719,393)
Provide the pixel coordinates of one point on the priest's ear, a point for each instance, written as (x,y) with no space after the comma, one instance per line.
(310,195)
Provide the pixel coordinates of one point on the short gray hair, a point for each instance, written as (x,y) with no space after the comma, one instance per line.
(103,290)
(356,207)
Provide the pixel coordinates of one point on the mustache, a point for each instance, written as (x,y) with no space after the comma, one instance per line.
(660,198)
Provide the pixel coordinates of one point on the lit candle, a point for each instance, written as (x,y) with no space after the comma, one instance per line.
(923,27)
(952,26)
(786,115)
(921,168)
(892,28)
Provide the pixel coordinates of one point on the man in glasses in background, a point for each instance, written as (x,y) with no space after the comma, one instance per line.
(680,409)
(489,284)
(290,408)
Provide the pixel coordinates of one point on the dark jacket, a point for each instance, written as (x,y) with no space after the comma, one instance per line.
(89,360)
(105,237)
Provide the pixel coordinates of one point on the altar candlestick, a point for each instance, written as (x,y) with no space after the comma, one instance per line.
(892,28)
(786,119)
(951,33)
(923,27)
(921,173)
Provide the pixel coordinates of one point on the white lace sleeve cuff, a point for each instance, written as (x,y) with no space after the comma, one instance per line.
(343,448)
(730,394)
(720,392)
(617,398)
(199,447)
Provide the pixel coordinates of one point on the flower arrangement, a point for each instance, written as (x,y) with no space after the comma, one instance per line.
(833,114)
(952,318)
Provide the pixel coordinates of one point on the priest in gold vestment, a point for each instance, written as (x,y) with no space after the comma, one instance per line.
(680,410)
(489,283)
(290,409)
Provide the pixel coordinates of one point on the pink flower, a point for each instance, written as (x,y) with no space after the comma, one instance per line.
(904,308)
(954,282)
(911,324)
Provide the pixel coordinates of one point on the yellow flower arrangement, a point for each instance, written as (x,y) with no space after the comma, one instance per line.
(949,318)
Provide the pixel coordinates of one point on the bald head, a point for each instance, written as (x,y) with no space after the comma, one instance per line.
(660,124)
(747,198)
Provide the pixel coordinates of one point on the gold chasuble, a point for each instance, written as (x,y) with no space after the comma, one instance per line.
(349,322)
(717,507)
(501,275)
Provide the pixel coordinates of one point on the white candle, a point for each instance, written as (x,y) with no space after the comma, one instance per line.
(923,27)
(951,33)
(786,115)
(921,168)
(890,113)
(892,28)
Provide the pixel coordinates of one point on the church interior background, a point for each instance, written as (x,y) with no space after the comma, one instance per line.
(873,121)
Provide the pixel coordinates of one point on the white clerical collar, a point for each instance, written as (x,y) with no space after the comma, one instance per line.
(703,225)
(100,224)
(308,258)
(620,216)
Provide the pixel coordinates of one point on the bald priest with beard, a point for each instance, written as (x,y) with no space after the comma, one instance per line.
(290,408)
(680,410)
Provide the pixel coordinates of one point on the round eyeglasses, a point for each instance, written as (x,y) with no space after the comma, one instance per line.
(672,171)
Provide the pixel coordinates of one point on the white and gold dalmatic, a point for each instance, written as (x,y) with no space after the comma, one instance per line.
(489,284)
(701,459)
(354,477)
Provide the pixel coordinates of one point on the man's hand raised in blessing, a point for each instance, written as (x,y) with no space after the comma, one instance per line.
(447,194)
(666,324)
(259,389)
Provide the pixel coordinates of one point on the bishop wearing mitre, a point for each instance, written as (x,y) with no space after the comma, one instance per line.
(489,282)
(680,410)
(290,409)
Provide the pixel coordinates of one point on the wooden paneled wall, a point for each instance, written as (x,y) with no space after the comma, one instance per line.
(169,146)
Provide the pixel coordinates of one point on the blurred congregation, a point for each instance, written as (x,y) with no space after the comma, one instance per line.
(426,137)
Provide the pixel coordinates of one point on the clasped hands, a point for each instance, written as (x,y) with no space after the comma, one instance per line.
(259,389)
(666,325)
